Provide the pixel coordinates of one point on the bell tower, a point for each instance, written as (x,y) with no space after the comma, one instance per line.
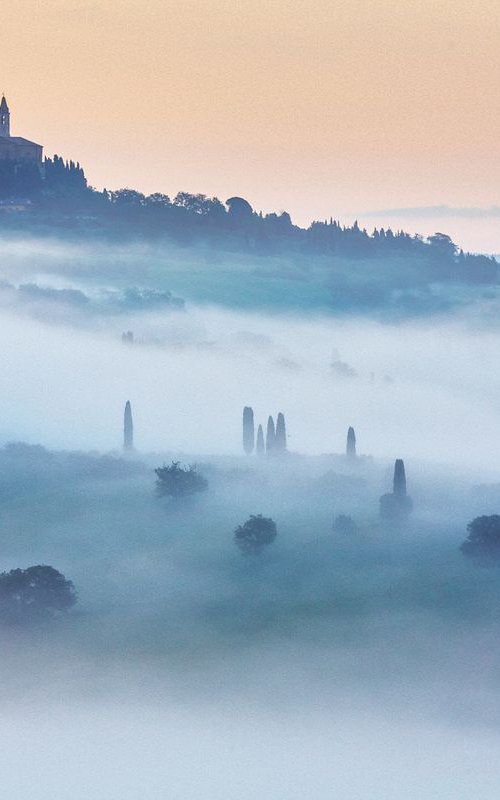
(4,118)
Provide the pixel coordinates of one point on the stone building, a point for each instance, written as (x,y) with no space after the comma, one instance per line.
(16,148)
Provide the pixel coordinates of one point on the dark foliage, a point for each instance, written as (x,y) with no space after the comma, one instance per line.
(60,189)
(39,591)
(483,540)
(255,534)
(178,481)
(63,177)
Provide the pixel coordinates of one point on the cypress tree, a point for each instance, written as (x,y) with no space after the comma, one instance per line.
(128,428)
(270,436)
(248,430)
(261,448)
(280,439)
(399,478)
(396,505)
(351,443)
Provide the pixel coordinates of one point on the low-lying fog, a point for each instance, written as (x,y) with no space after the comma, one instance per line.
(359,666)
(427,391)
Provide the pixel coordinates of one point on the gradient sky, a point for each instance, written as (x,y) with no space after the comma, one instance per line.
(319,107)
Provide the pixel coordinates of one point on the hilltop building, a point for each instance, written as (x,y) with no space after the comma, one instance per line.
(16,148)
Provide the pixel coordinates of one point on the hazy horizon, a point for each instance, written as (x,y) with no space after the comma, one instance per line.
(319,109)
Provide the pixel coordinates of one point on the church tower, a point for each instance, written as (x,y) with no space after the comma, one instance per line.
(4,118)
(16,148)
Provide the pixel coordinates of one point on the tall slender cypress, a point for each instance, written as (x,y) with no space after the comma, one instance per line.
(260,447)
(280,439)
(248,430)
(399,478)
(396,505)
(270,436)
(128,428)
(351,443)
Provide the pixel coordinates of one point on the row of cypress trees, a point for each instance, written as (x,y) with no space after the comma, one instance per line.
(275,441)
(393,505)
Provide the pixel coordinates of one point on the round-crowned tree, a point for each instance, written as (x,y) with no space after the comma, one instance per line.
(178,481)
(483,540)
(35,592)
(255,534)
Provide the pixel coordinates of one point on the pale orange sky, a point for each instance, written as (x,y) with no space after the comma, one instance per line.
(320,107)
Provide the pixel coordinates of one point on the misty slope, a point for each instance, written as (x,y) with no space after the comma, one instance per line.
(187,670)
(395,287)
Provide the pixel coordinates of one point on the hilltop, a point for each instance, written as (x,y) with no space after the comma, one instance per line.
(236,255)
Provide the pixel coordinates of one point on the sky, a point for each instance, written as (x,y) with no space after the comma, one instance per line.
(317,107)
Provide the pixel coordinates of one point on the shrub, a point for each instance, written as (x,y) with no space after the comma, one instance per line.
(255,533)
(483,540)
(178,481)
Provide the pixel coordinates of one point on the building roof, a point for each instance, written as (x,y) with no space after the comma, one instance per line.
(3,104)
(19,140)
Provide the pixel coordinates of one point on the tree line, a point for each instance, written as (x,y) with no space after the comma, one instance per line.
(60,188)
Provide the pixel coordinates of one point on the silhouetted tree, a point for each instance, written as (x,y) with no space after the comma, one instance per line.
(177,481)
(351,443)
(399,482)
(270,436)
(483,540)
(255,534)
(239,209)
(127,199)
(157,200)
(128,428)
(260,447)
(396,505)
(200,204)
(280,436)
(442,246)
(63,178)
(27,594)
(248,430)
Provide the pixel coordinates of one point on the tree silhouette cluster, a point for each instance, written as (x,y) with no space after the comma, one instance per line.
(61,188)
(275,442)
